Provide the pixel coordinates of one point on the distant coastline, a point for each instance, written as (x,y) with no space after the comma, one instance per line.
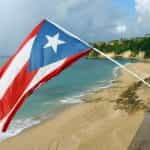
(124,55)
(134,48)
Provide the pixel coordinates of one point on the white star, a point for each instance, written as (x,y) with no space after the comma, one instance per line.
(54,42)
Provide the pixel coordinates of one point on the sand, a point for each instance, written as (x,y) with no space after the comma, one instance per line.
(93,125)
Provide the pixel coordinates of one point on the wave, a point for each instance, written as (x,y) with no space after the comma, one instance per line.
(18,126)
(72,100)
(100,85)
(75,99)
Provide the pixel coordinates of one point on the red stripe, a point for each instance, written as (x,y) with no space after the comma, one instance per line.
(10,97)
(15,90)
(30,36)
(67,63)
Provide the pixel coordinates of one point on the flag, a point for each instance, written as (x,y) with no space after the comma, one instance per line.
(45,53)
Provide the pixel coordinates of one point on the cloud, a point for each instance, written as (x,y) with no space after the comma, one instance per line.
(142,8)
(91,20)
(143,15)
(120,29)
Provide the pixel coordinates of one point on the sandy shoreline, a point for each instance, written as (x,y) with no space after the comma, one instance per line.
(95,125)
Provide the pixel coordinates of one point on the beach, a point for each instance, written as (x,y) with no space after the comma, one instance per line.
(105,121)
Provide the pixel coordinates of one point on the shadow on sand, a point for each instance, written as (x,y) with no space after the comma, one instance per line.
(141,140)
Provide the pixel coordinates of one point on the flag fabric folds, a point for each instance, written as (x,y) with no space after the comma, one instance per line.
(45,53)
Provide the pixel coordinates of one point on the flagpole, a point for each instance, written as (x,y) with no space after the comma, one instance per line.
(100,52)
(122,66)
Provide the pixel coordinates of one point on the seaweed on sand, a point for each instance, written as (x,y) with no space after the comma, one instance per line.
(129,101)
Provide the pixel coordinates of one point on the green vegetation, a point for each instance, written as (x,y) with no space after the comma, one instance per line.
(129,100)
(135,45)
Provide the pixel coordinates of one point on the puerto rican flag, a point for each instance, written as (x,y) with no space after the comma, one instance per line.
(45,53)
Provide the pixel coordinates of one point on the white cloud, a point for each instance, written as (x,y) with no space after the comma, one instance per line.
(143,14)
(120,29)
(143,9)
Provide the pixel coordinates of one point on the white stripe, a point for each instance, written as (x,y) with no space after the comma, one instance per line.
(44,71)
(14,68)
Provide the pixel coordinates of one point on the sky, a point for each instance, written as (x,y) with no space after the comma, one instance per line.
(92,20)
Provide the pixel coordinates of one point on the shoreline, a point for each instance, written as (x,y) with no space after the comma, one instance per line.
(89,118)
(64,106)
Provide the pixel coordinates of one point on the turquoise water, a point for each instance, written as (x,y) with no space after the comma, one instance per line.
(84,76)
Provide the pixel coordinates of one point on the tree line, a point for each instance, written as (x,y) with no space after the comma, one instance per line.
(135,45)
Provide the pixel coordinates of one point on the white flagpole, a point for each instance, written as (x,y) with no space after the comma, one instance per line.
(100,52)
(122,66)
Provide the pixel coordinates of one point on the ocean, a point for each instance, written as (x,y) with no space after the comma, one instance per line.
(85,76)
